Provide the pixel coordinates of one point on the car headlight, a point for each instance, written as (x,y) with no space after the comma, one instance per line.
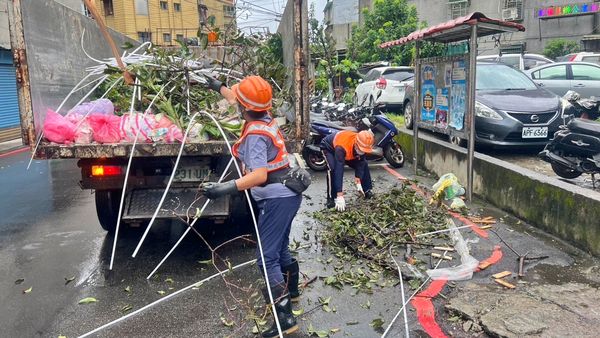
(482,110)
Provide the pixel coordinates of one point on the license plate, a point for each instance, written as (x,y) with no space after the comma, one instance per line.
(191,174)
(535,132)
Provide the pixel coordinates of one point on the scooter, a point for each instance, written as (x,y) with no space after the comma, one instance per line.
(383,129)
(575,148)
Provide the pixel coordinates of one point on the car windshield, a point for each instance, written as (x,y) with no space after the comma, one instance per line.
(398,75)
(500,77)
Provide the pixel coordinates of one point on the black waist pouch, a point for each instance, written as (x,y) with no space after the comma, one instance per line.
(296,179)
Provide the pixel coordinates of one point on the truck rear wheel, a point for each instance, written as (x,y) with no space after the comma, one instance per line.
(107,208)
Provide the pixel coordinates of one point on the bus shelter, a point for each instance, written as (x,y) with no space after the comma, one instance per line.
(444,87)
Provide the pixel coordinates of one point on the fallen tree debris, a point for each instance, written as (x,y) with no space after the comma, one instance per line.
(501,274)
(437,255)
(504,283)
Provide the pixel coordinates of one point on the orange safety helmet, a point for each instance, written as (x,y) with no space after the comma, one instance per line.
(254,93)
(365,141)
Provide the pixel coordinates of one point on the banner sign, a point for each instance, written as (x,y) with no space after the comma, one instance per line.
(568,10)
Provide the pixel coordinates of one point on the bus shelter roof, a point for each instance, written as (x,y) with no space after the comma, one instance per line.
(458,29)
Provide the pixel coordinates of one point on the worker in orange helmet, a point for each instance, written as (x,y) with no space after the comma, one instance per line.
(262,151)
(347,147)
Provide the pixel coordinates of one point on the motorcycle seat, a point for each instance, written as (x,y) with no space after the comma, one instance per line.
(585,127)
(334,125)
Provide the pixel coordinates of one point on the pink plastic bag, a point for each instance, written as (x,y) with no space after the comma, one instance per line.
(131,123)
(105,128)
(83,133)
(58,129)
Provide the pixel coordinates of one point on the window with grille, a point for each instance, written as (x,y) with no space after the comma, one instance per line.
(164,5)
(166,37)
(108,7)
(512,10)
(177,7)
(229,10)
(179,37)
(144,36)
(458,8)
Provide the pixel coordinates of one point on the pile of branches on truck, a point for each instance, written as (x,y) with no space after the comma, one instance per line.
(168,88)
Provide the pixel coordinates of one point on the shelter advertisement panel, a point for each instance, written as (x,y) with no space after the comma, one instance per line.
(443,94)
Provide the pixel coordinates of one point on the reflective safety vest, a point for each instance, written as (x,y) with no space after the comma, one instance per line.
(271,130)
(346,140)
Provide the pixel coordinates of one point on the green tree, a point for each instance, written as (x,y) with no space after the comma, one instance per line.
(558,47)
(389,20)
(322,48)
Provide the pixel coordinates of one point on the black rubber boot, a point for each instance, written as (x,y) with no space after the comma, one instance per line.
(291,276)
(369,194)
(330,203)
(283,306)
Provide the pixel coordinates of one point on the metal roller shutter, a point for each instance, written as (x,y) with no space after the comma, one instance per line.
(9,103)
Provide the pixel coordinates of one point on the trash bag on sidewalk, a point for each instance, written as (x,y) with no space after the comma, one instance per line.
(58,129)
(447,187)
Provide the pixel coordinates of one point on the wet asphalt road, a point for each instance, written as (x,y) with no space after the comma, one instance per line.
(49,233)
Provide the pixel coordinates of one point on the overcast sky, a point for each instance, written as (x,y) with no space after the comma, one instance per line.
(261,15)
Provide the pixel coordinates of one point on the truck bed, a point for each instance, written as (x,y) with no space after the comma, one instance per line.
(208,148)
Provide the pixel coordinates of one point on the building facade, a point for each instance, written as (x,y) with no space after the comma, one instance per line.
(340,16)
(164,22)
(543,20)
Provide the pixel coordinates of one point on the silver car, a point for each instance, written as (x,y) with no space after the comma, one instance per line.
(560,77)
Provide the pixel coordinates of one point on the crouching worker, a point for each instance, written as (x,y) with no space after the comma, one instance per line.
(274,185)
(347,147)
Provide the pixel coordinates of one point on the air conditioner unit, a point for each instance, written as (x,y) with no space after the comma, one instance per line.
(510,14)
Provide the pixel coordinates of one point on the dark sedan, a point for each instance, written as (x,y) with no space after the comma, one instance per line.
(510,109)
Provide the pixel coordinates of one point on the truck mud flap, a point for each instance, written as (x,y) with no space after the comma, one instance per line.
(179,202)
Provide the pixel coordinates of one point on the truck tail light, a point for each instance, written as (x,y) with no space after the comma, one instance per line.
(381,83)
(106,170)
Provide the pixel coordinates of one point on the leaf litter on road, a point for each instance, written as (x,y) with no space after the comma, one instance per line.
(88,300)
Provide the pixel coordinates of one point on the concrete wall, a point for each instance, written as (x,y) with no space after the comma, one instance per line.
(537,34)
(565,210)
(55,56)
(4,32)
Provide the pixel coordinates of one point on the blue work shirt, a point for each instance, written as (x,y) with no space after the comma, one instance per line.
(255,152)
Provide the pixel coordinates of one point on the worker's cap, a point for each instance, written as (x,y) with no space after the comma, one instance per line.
(365,140)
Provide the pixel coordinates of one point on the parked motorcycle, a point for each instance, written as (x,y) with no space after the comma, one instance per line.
(575,148)
(383,129)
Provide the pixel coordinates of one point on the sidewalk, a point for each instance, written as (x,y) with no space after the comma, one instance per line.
(8,146)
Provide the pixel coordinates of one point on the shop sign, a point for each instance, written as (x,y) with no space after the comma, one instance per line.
(568,10)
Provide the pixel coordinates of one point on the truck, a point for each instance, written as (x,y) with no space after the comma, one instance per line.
(50,60)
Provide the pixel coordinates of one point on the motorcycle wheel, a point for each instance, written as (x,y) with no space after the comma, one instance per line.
(394,155)
(315,161)
(564,172)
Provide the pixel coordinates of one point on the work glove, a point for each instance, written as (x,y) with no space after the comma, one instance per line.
(359,187)
(213,83)
(340,203)
(214,190)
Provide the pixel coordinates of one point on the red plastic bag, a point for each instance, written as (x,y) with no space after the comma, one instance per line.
(105,128)
(58,129)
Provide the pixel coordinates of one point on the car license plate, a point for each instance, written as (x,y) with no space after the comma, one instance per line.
(535,132)
(191,174)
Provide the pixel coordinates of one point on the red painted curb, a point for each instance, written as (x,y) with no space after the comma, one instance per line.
(425,309)
(14,152)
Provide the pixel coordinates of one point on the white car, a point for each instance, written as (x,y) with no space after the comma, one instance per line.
(383,87)
(517,61)
(581,56)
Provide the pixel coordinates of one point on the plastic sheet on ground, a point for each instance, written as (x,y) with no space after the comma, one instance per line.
(464,271)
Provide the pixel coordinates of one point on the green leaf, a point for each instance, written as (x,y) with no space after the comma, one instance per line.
(335,330)
(211,20)
(324,301)
(208,261)
(126,308)
(298,312)
(326,308)
(28,290)
(169,280)
(377,323)
(161,292)
(352,323)
(128,288)
(228,323)
(61,336)
(88,300)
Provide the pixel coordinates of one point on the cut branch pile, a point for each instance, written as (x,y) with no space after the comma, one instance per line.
(362,236)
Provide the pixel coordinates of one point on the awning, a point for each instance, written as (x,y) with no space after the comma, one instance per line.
(458,29)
